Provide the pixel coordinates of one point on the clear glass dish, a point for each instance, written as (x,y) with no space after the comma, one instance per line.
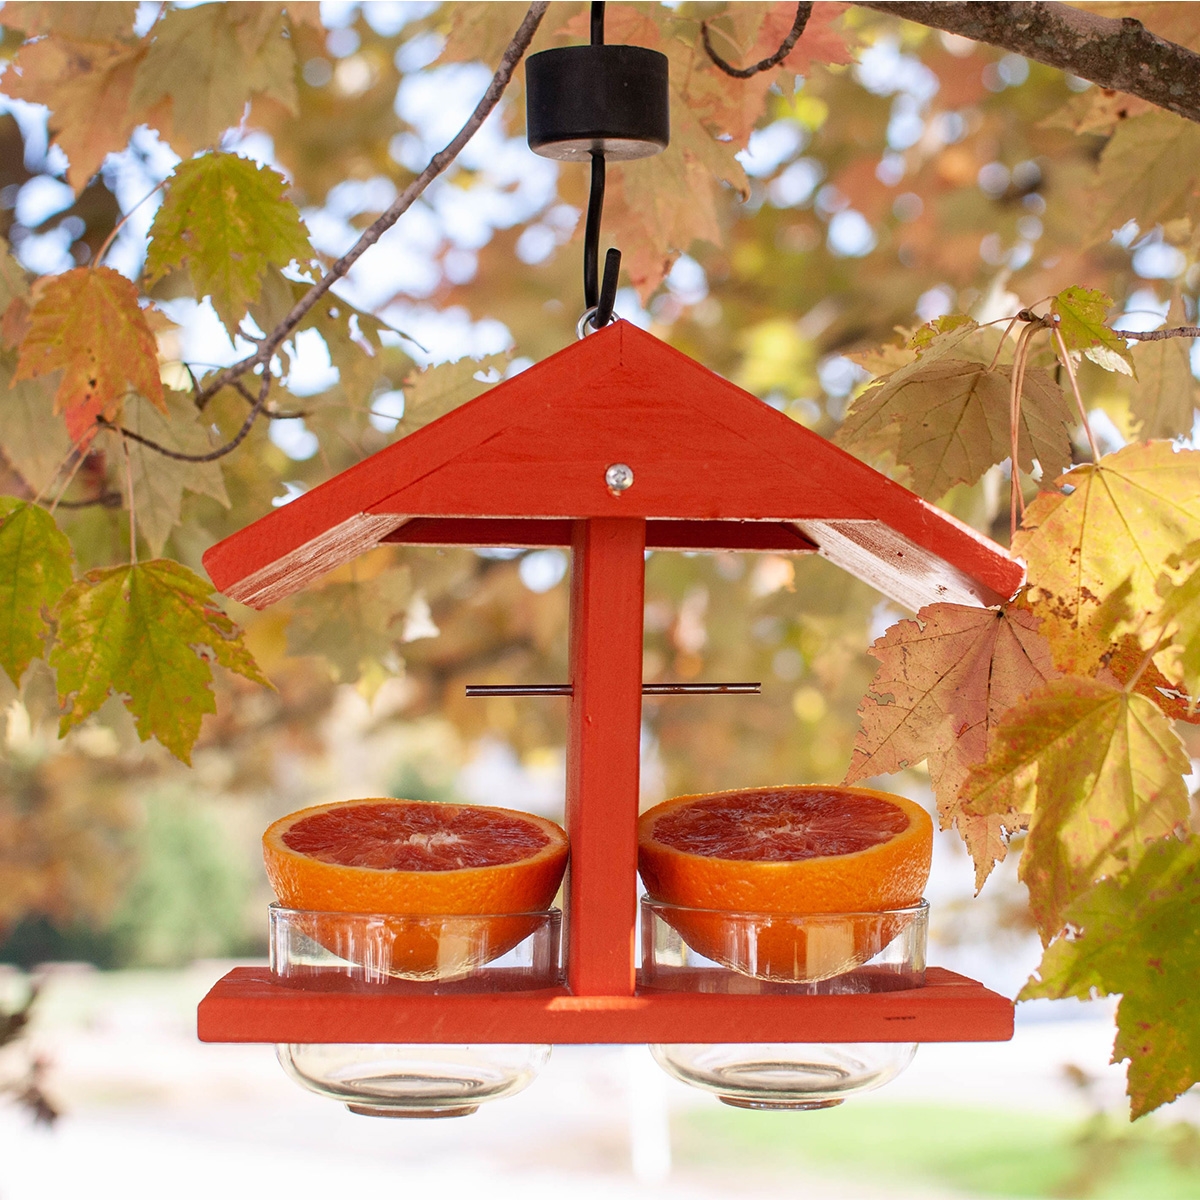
(703,950)
(391,954)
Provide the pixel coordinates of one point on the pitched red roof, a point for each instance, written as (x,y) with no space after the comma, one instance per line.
(516,464)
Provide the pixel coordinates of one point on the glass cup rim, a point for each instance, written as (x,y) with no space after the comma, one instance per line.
(277,909)
(921,908)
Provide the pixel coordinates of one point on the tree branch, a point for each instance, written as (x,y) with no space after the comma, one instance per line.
(803,12)
(220,452)
(1119,54)
(437,164)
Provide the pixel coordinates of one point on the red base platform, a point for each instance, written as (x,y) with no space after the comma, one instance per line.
(250,1005)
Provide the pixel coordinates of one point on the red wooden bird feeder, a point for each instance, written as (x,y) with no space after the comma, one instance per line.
(613,446)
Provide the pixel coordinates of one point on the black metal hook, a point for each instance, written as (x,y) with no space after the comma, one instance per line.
(597,295)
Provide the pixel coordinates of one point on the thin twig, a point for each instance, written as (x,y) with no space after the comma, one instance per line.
(104,500)
(108,241)
(1157,335)
(437,164)
(803,12)
(220,452)
(1065,356)
(132,509)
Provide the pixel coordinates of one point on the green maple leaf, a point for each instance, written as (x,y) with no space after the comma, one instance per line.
(147,633)
(159,481)
(1126,516)
(1081,314)
(1097,772)
(87,323)
(1140,177)
(208,61)
(945,680)
(35,570)
(226,220)
(1137,935)
(438,390)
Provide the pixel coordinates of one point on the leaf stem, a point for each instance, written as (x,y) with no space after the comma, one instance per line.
(1020,357)
(77,450)
(436,165)
(1003,338)
(1066,361)
(108,241)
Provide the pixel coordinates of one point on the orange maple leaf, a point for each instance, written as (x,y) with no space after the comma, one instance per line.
(87,324)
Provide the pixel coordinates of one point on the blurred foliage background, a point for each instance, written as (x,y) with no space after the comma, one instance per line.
(914,175)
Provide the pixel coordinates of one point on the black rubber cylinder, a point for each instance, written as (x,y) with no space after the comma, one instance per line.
(615,99)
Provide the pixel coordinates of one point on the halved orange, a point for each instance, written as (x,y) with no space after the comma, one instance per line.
(786,850)
(418,859)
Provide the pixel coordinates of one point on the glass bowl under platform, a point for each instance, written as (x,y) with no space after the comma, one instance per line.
(400,954)
(822,954)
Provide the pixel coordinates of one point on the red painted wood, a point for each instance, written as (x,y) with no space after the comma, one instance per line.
(771,536)
(249,1005)
(538,446)
(603,753)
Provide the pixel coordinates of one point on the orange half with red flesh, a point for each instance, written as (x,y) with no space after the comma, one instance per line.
(792,851)
(413,859)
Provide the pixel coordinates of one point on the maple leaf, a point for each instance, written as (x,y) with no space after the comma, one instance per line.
(1181,616)
(87,87)
(33,439)
(1081,313)
(1137,935)
(159,481)
(1163,403)
(226,220)
(87,323)
(1139,176)
(350,335)
(86,22)
(147,633)
(1109,538)
(947,421)
(945,679)
(438,390)
(1096,771)
(208,61)
(35,570)
(352,625)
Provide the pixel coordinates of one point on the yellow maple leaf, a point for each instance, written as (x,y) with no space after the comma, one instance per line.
(1106,541)
(1096,771)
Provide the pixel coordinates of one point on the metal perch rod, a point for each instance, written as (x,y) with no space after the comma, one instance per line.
(648,689)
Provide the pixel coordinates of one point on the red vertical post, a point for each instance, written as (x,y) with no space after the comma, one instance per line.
(603,752)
